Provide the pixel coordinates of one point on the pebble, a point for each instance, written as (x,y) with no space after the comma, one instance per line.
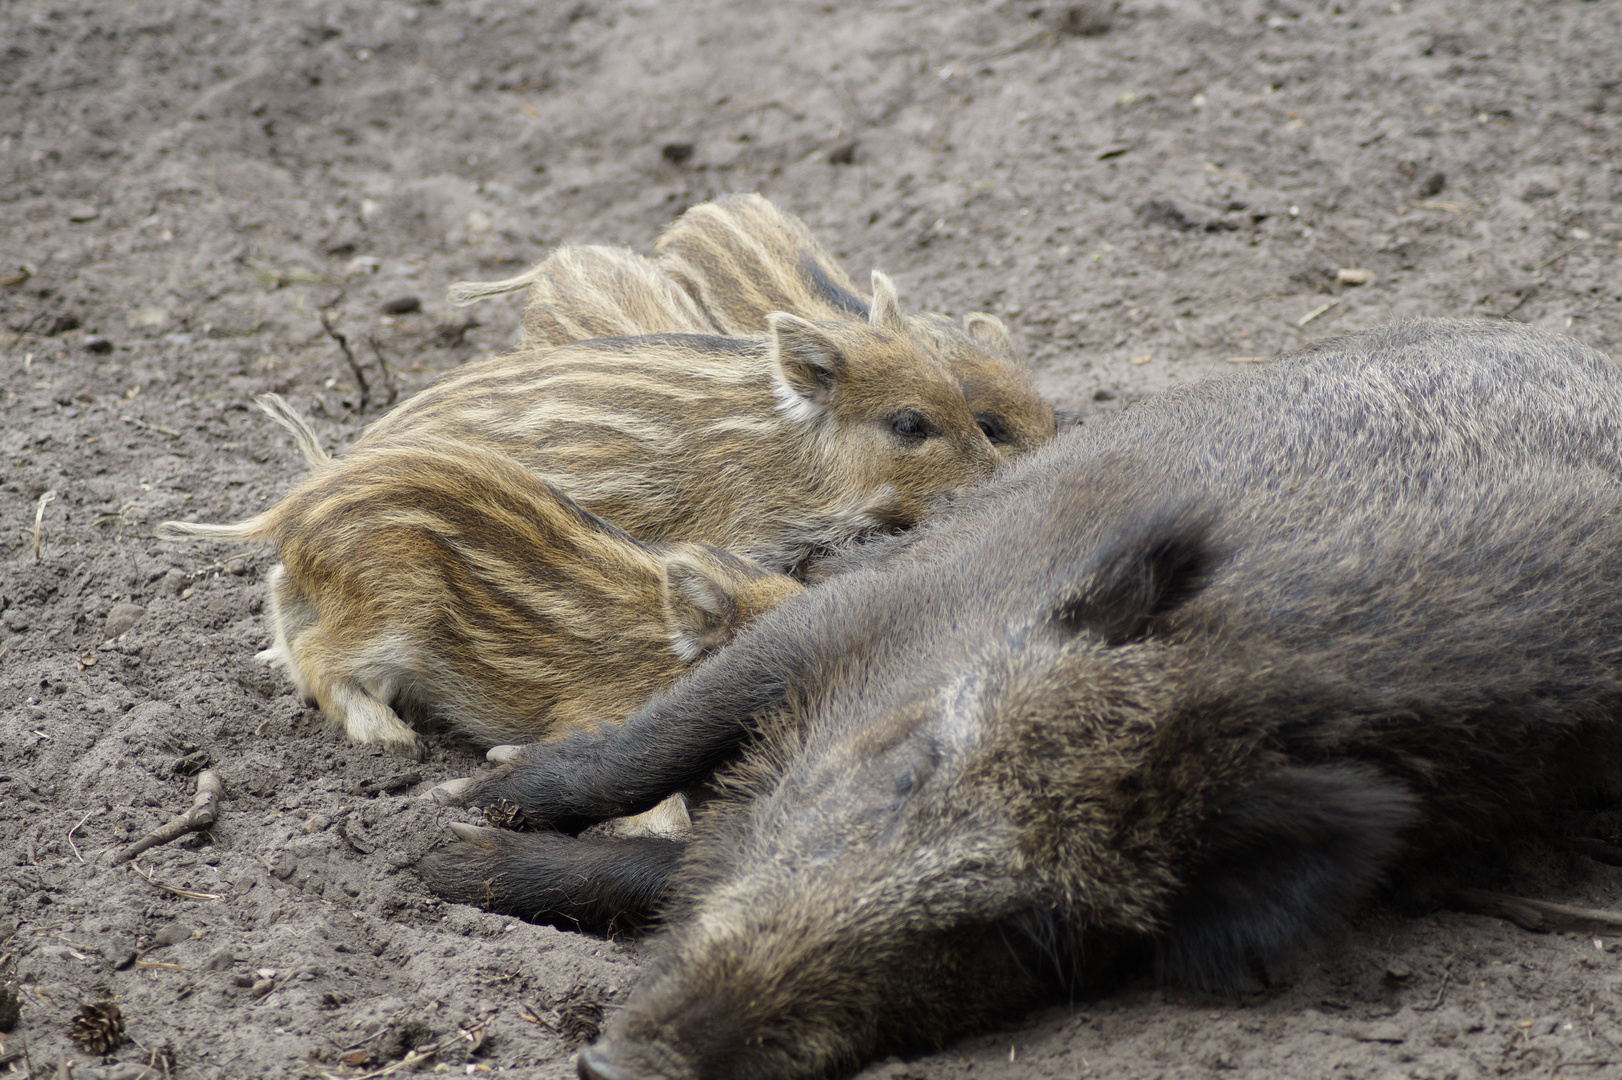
(402,305)
(121,618)
(83,213)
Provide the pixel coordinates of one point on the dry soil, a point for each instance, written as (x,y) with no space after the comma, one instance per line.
(188,188)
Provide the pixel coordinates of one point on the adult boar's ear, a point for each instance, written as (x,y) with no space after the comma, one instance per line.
(1278,863)
(988,332)
(809,366)
(699,613)
(885,311)
(1145,569)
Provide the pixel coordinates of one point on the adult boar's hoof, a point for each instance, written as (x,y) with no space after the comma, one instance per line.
(451,792)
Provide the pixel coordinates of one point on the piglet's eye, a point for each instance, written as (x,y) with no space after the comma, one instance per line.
(994,429)
(912,425)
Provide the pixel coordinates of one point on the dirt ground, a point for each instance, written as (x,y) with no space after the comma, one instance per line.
(188,186)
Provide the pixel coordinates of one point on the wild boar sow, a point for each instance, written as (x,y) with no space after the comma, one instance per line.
(1185,686)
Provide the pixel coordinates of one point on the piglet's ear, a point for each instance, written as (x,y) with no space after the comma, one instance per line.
(885,311)
(809,364)
(988,332)
(1278,863)
(1146,569)
(699,613)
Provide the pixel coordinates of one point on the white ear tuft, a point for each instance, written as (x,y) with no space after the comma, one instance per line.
(699,613)
(885,311)
(809,366)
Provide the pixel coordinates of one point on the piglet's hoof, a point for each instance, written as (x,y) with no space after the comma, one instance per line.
(451,792)
(509,754)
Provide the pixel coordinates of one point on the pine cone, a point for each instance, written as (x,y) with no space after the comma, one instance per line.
(99,1027)
(502,814)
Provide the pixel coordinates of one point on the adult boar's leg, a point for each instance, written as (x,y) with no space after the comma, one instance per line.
(677,739)
(599,884)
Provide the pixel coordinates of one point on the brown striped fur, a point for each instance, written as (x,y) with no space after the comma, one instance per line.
(584,291)
(448,581)
(775,446)
(740,257)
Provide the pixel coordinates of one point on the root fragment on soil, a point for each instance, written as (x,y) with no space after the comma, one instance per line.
(390,387)
(190,894)
(349,355)
(75,829)
(1317,311)
(205,806)
(1541,916)
(39,518)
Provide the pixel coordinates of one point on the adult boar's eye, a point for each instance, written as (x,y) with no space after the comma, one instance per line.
(912,425)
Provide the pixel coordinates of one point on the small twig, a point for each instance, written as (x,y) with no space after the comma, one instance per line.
(138,422)
(383,369)
(190,894)
(39,519)
(1539,915)
(1447,973)
(473,1036)
(151,1066)
(1317,311)
(75,829)
(1523,296)
(205,806)
(1557,256)
(349,355)
(1446,207)
(1043,36)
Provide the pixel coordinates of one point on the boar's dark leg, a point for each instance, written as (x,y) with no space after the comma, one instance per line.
(1281,862)
(599,884)
(1540,916)
(674,741)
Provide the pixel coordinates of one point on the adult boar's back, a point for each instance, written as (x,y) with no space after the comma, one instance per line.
(1185,686)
